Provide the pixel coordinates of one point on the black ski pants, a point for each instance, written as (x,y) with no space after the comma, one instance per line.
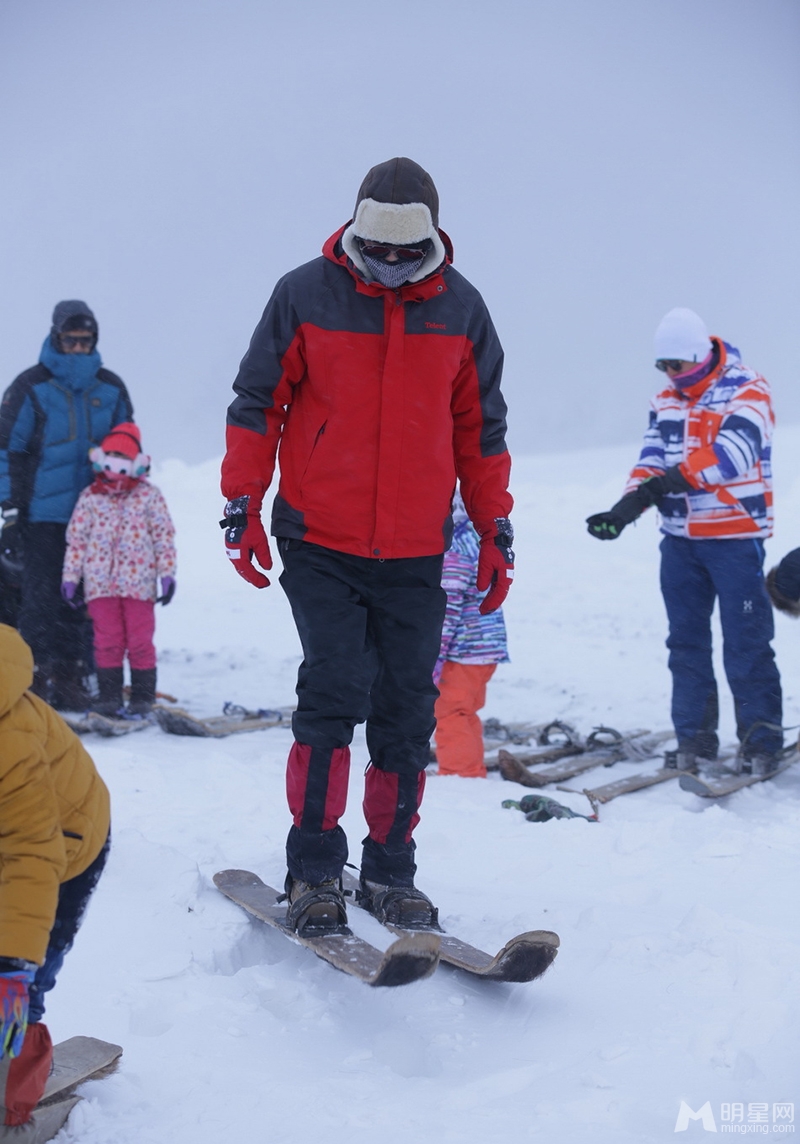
(56,633)
(370,631)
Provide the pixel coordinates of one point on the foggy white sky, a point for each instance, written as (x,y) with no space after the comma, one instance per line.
(598,162)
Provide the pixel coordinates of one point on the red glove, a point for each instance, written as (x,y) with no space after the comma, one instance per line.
(496,564)
(245,538)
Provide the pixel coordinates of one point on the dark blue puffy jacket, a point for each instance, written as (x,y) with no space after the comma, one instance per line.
(51,416)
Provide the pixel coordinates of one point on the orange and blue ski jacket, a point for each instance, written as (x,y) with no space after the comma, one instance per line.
(720,433)
(375,401)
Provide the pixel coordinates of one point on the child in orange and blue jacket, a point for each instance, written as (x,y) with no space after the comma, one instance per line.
(706,464)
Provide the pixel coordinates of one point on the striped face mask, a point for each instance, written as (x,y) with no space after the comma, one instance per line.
(392,274)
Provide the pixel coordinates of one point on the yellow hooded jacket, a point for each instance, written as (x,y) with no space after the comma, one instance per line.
(54,807)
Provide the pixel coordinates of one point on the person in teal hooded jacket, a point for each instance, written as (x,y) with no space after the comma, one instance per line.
(51,416)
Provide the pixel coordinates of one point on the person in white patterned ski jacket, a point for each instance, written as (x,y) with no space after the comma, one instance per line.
(706,463)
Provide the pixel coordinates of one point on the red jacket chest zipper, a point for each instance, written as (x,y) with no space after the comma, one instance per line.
(390,446)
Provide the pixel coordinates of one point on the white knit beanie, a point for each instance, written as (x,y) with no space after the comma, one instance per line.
(682,335)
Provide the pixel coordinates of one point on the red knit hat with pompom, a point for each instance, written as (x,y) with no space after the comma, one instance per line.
(125,439)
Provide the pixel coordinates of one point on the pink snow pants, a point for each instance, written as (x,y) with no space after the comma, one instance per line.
(122,624)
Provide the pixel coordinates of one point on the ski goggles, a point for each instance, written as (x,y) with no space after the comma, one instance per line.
(72,341)
(673,364)
(381,250)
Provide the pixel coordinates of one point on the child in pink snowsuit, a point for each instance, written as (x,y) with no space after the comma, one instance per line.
(120,542)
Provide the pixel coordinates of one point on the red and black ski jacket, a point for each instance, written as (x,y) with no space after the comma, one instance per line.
(378,399)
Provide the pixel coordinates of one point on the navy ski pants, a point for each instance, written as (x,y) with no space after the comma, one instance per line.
(73,898)
(370,631)
(695,573)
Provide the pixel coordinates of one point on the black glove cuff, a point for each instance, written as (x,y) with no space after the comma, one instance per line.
(505,537)
(674,481)
(631,506)
(505,532)
(239,520)
(235,519)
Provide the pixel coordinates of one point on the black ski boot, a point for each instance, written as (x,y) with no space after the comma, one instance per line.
(43,681)
(401,906)
(69,691)
(314,911)
(681,760)
(109,682)
(763,765)
(143,691)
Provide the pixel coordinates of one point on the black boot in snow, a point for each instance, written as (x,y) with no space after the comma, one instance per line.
(315,910)
(42,681)
(143,691)
(682,759)
(764,765)
(109,682)
(401,906)
(69,691)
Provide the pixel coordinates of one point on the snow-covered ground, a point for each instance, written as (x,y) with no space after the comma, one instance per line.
(679,971)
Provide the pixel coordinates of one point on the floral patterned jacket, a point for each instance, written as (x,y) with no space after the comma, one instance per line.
(120,544)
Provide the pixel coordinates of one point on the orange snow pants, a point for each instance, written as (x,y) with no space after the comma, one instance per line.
(459,735)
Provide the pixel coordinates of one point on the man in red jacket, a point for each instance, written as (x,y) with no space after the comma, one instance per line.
(375,370)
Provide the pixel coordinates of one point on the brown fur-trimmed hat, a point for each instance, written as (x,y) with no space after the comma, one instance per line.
(398,204)
(401,182)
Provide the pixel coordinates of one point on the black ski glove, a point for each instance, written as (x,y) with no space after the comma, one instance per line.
(609,525)
(783,584)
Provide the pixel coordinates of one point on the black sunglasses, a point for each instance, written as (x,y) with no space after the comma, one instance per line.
(70,341)
(669,363)
(404,253)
